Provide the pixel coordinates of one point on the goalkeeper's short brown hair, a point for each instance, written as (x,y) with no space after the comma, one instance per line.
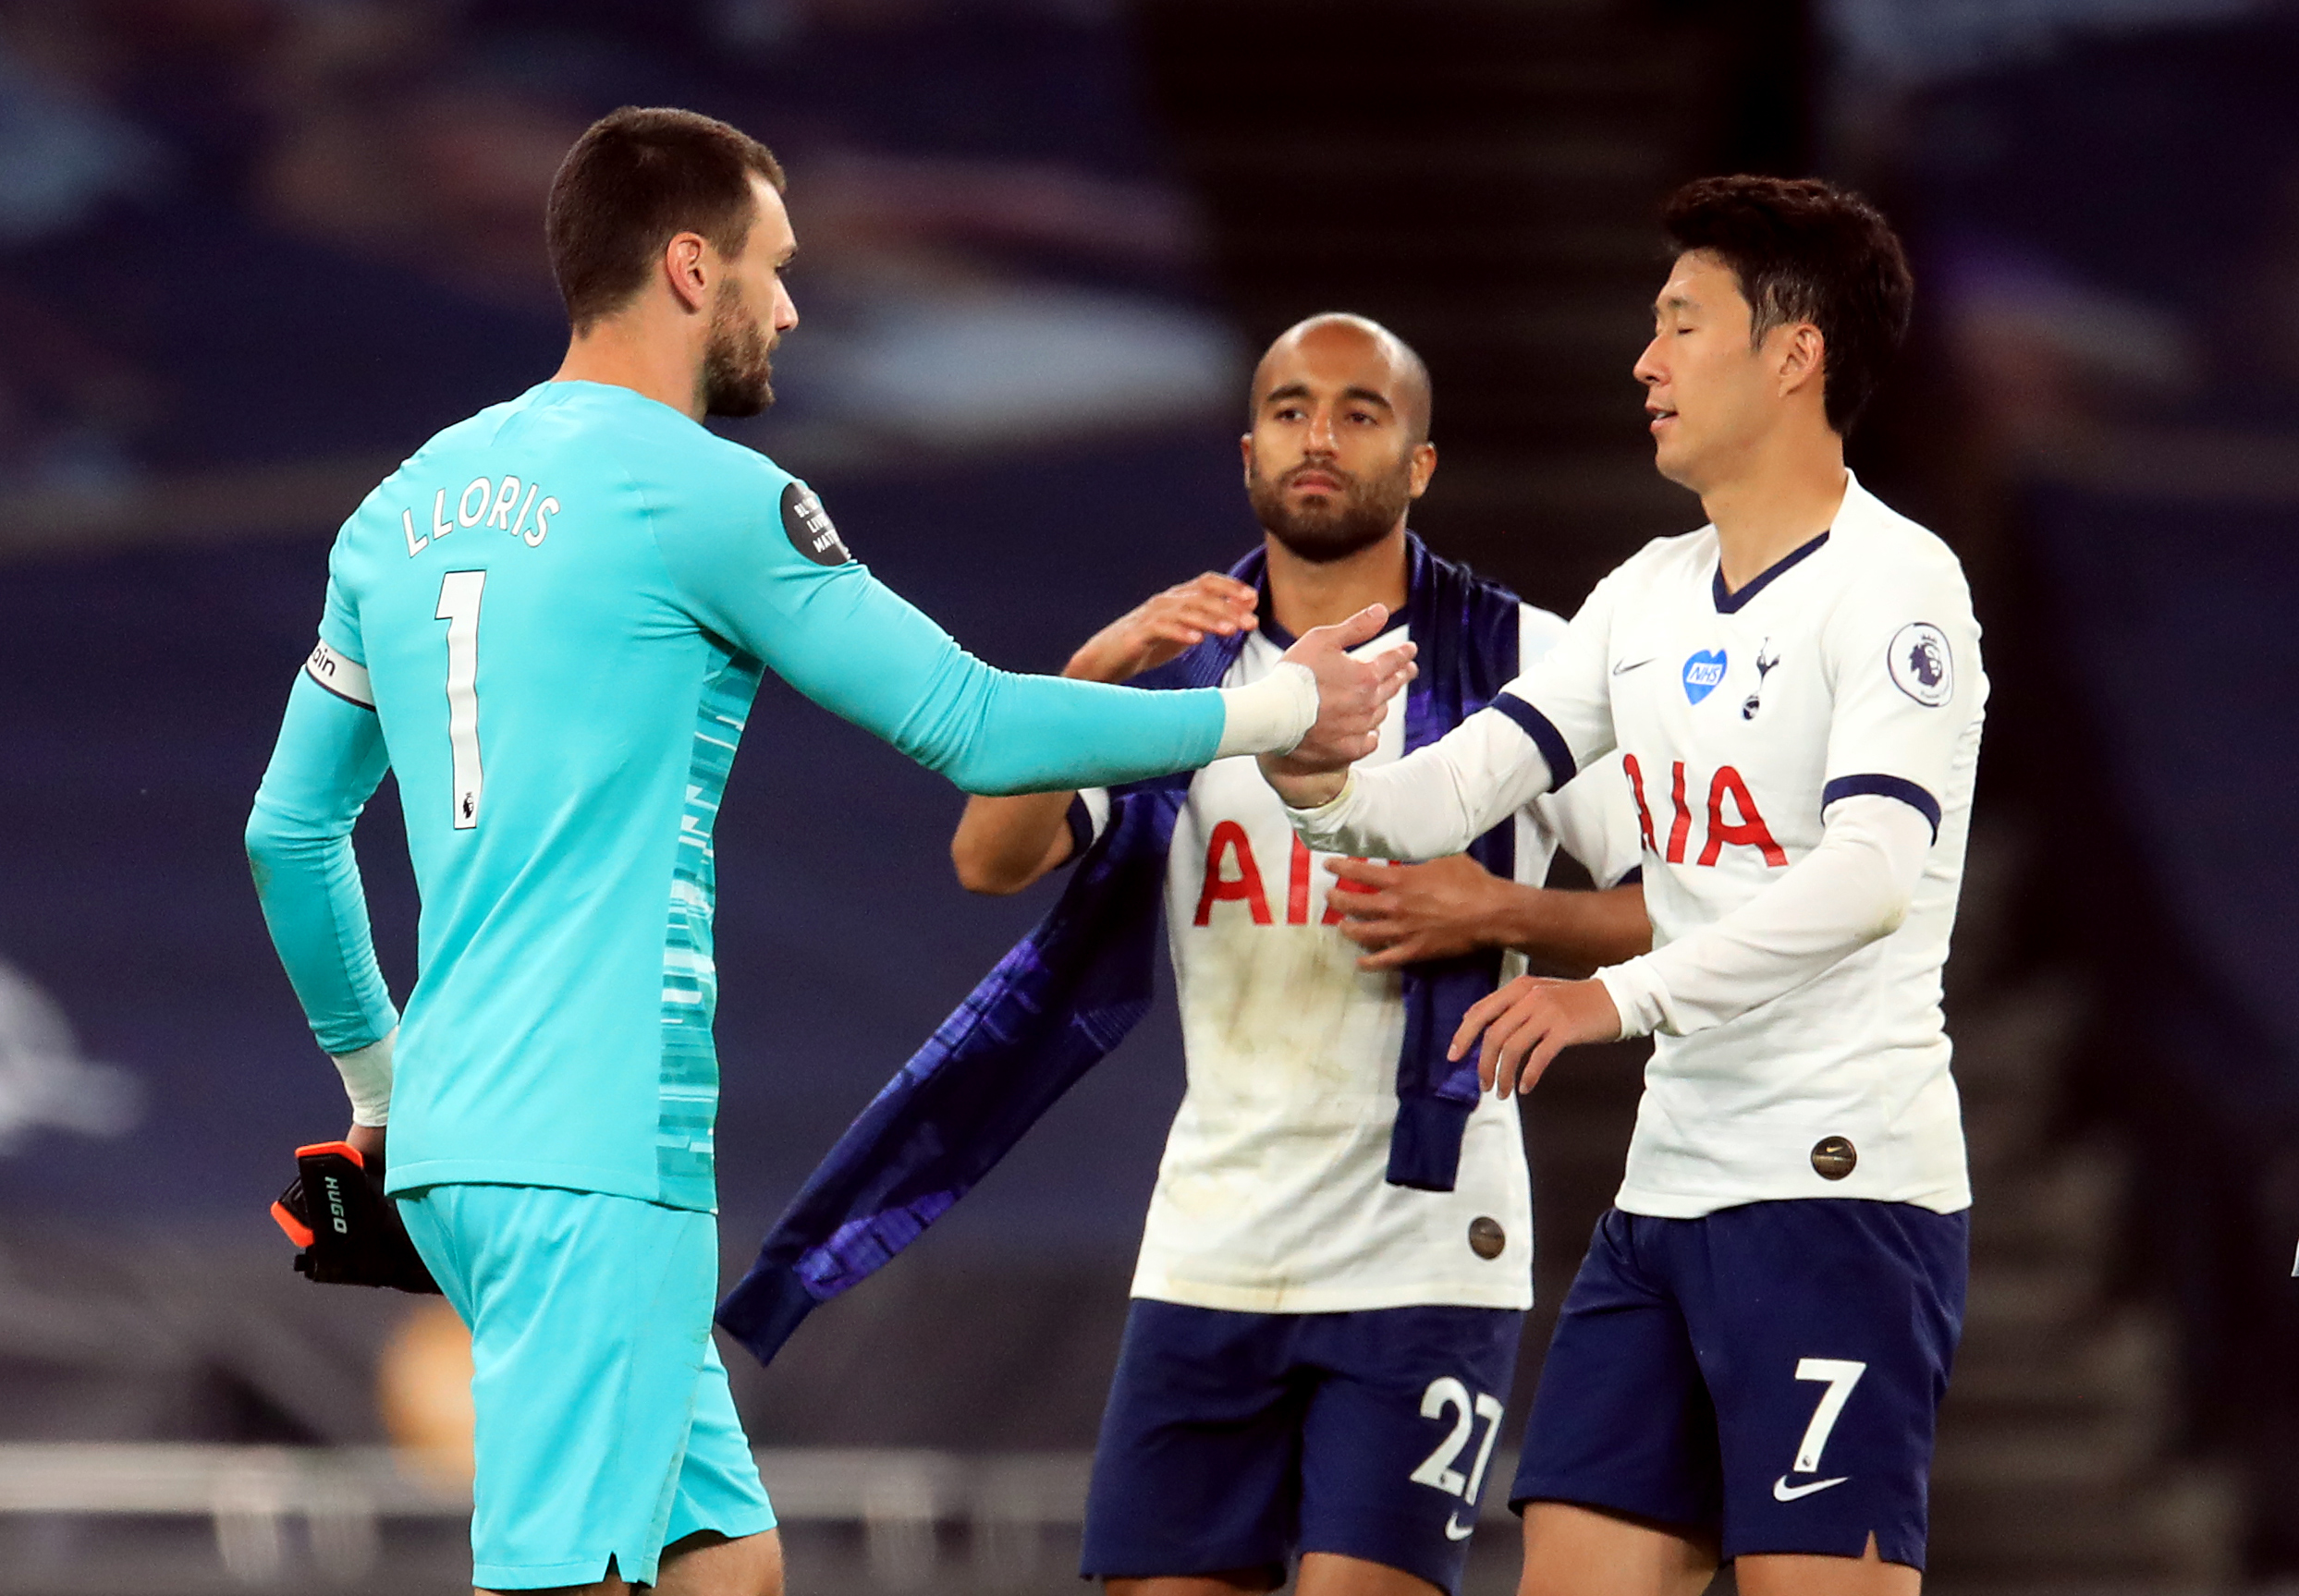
(637,178)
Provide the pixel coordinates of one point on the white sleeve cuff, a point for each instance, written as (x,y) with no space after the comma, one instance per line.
(367,1079)
(1322,827)
(1272,715)
(1636,991)
(1096,803)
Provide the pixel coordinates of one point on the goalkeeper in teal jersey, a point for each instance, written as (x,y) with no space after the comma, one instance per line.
(549,624)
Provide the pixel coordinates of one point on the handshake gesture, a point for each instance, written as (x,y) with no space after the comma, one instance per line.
(1352,695)
(1353,699)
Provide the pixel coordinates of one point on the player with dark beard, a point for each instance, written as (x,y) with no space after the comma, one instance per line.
(1325,1318)
(549,625)
(1318,511)
(738,358)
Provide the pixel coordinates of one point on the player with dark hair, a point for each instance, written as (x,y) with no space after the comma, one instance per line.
(549,625)
(1322,1338)
(1750,1364)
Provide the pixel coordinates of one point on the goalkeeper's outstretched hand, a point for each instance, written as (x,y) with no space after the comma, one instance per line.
(349,1232)
(1352,695)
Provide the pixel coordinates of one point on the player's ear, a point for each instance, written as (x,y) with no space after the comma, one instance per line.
(1245,452)
(687,269)
(1803,356)
(1424,468)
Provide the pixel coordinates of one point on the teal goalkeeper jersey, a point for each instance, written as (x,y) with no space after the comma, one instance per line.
(549,624)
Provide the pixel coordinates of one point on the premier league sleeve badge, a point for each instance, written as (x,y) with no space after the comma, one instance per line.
(1921,664)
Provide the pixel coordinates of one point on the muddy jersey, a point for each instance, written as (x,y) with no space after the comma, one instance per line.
(1273,1195)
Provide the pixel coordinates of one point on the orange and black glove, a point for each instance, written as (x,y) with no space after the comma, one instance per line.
(348,1231)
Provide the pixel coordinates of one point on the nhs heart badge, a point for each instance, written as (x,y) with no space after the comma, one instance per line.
(1702,673)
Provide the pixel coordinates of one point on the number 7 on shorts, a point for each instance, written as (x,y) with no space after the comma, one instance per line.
(1840,1377)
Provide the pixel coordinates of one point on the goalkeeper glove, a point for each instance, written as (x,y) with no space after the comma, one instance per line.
(350,1232)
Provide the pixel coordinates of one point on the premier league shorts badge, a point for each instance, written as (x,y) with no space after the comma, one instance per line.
(1486,1237)
(1833,1158)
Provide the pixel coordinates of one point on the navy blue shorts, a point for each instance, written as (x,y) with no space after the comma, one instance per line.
(1769,1373)
(1238,1440)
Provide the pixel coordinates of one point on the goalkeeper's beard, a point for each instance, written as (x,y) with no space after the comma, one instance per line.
(1364,512)
(737,364)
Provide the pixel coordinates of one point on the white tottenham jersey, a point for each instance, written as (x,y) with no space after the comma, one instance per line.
(1273,1196)
(1848,671)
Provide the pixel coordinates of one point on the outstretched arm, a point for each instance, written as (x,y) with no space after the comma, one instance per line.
(1005,844)
(1532,739)
(1406,913)
(850,643)
(328,759)
(1435,802)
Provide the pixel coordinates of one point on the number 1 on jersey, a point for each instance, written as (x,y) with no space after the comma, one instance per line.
(458,606)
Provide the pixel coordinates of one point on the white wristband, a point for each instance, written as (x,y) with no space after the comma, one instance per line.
(1272,715)
(367,1079)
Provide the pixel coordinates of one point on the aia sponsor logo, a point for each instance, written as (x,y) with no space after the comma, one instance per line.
(1233,875)
(1726,790)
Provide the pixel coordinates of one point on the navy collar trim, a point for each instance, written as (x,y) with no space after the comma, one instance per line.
(1731,602)
(1267,613)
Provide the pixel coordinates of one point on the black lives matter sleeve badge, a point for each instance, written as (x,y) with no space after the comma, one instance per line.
(807,525)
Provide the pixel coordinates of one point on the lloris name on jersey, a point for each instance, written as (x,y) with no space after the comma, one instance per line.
(483,500)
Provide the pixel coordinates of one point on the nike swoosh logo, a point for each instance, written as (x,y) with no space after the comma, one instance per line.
(1633,664)
(1783,1491)
(1453,1530)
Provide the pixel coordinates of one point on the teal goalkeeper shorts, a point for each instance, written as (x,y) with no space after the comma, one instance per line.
(605,1428)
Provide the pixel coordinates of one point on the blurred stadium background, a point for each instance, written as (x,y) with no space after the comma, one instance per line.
(252,252)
